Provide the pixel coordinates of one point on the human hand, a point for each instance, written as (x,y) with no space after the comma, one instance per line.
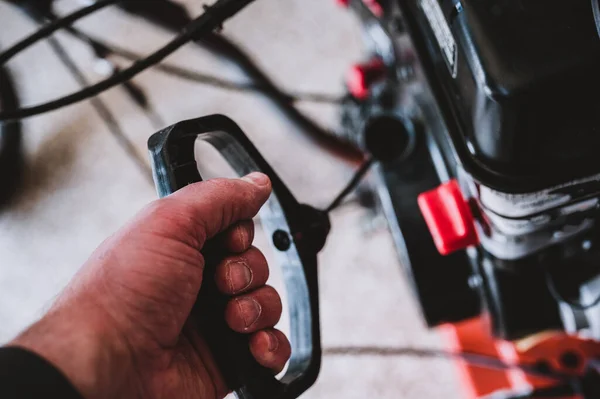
(122,327)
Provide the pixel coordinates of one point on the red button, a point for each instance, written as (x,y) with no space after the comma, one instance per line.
(375,7)
(362,76)
(449,218)
(372,4)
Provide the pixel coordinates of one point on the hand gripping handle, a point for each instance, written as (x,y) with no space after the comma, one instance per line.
(298,233)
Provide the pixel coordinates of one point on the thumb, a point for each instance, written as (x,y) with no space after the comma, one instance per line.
(200,211)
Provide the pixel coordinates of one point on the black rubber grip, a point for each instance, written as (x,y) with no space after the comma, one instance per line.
(305,228)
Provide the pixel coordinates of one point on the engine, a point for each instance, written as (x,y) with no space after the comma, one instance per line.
(487,121)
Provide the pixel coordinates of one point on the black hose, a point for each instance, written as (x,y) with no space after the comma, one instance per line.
(221,46)
(211,19)
(172,17)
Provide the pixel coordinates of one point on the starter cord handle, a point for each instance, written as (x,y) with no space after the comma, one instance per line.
(298,233)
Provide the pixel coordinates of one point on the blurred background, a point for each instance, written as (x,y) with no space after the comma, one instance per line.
(86,175)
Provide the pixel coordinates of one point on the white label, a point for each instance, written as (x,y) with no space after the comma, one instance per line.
(442,33)
(521,205)
(514,227)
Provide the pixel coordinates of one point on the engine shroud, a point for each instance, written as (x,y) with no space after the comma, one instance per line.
(518,83)
(503,99)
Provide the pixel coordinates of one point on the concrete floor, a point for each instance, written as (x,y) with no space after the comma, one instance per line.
(80,186)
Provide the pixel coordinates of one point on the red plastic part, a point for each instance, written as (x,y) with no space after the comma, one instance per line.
(473,336)
(449,218)
(362,76)
(375,7)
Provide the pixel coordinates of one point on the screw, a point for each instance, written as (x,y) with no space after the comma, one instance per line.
(281,240)
(475,281)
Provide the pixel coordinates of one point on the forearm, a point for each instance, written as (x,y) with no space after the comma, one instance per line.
(87,353)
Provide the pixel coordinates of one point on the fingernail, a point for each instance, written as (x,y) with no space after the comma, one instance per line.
(239,276)
(273,341)
(257,178)
(250,310)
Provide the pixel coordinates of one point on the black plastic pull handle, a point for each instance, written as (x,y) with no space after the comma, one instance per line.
(298,233)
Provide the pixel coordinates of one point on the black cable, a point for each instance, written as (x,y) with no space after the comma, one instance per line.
(561,298)
(566,384)
(473,359)
(103,110)
(102,50)
(172,16)
(360,173)
(41,12)
(331,141)
(11,141)
(211,19)
(52,27)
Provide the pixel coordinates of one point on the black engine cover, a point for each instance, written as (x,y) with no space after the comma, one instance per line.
(519,84)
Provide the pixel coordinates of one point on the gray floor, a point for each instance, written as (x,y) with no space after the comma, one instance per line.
(80,185)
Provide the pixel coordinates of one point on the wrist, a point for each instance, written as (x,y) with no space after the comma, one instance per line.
(80,343)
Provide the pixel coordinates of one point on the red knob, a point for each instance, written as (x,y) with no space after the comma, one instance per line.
(362,76)
(449,218)
(375,7)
